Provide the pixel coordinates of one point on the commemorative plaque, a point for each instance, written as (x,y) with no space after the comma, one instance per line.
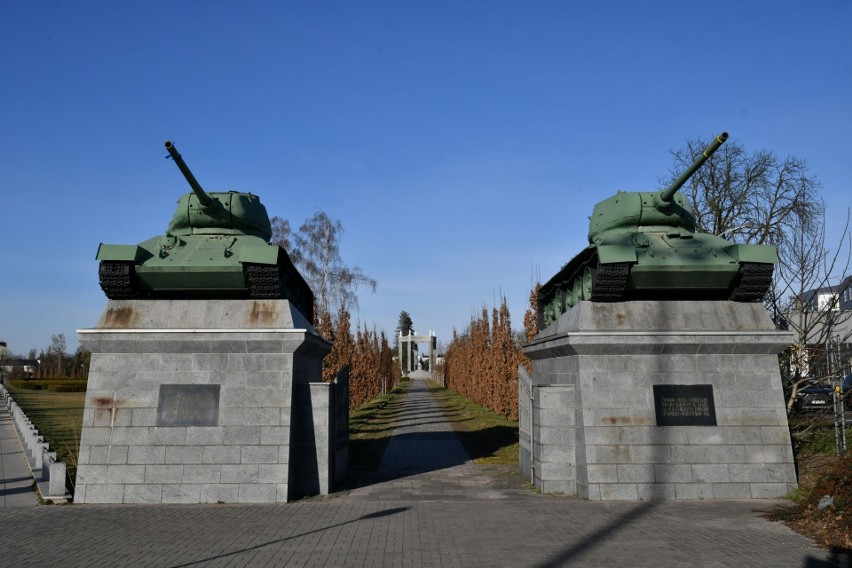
(684,405)
(188,405)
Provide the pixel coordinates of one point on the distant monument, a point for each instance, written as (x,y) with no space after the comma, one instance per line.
(655,375)
(406,345)
(205,379)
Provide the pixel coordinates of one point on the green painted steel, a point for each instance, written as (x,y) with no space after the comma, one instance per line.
(643,245)
(216,246)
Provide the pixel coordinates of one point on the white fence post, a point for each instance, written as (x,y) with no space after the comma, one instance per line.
(51,473)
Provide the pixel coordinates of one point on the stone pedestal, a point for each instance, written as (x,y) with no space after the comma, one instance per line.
(657,400)
(198,401)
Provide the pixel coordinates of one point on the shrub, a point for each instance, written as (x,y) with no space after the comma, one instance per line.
(482,363)
(28,385)
(831,526)
(371,367)
(53,385)
(75,386)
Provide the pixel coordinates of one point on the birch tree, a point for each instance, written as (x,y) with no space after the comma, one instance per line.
(315,250)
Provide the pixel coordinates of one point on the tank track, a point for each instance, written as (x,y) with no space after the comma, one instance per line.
(754,283)
(117,280)
(271,282)
(610,281)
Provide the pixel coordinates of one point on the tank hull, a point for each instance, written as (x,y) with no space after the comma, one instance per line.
(652,265)
(202,266)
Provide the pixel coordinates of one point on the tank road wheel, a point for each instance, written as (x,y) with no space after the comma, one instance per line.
(262,281)
(588,282)
(611,282)
(117,279)
(569,298)
(755,280)
(577,292)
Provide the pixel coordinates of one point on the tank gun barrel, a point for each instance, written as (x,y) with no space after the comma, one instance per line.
(184,169)
(667,194)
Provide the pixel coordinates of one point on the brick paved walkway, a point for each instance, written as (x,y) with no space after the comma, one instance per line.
(430,507)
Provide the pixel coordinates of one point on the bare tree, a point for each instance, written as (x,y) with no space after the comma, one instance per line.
(56,352)
(315,250)
(756,197)
(760,199)
(282,235)
(809,281)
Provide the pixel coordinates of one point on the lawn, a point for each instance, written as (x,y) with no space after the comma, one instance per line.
(487,437)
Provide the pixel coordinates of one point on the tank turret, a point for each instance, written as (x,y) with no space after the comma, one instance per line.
(643,245)
(222,213)
(628,211)
(216,246)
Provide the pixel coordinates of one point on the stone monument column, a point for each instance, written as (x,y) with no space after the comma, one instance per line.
(658,400)
(204,401)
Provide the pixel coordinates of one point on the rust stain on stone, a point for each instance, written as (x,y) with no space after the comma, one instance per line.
(620,318)
(262,313)
(626,420)
(106,406)
(125,317)
(621,452)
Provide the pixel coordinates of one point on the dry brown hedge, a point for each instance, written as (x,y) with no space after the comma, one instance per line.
(370,359)
(482,363)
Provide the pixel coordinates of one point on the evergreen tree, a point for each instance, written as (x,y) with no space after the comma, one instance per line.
(406,326)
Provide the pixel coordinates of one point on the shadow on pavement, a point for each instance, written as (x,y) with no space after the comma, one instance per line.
(376,515)
(488,441)
(838,558)
(17,490)
(599,537)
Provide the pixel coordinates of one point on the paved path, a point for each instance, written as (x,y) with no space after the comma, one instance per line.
(429,507)
(426,461)
(16,481)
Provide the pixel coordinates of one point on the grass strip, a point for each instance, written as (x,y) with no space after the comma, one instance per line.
(488,437)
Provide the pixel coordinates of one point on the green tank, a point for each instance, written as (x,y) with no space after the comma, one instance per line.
(643,245)
(216,246)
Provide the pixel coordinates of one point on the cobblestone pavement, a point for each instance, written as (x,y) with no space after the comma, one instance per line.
(428,506)
(17,486)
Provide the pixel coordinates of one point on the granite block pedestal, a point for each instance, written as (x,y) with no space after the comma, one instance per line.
(657,400)
(198,401)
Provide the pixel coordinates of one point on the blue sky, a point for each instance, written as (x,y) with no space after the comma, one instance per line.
(461,144)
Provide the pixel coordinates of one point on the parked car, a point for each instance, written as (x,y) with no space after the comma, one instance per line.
(846,391)
(814,397)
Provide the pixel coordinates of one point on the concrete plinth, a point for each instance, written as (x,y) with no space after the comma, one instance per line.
(589,424)
(194,401)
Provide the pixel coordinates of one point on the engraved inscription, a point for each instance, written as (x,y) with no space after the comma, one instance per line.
(684,405)
(672,406)
(188,405)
